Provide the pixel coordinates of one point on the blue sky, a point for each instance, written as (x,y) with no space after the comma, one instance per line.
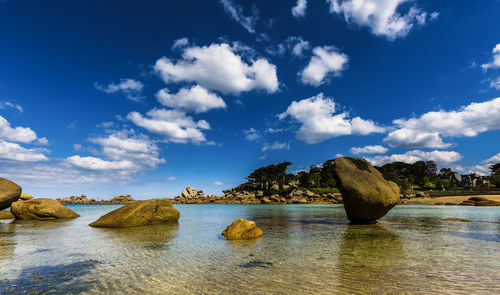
(147,97)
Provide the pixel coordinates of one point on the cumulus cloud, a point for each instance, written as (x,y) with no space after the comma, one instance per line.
(440,157)
(299,10)
(316,114)
(326,61)
(484,167)
(251,134)
(124,150)
(218,183)
(129,87)
(428,129)
(383,17)
(369,149)
(275,146)
(495,62)
(173,125)
(17,134)
(195,99)
(14,152)
(236,13)
(219,67)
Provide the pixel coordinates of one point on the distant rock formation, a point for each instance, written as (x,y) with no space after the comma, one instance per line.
(9,193)
(122,199)
(367,196)
(242,229)
(479,201)
(240,195)
(148,212)
(41,209)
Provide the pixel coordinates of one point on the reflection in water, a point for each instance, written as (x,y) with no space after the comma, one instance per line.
(153,236)
(7,240)
(368,259)
(490,237)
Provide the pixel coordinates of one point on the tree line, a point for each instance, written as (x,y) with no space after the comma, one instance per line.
(419,175)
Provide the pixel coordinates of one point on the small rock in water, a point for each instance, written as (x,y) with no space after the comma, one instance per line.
(242,229)
(256,263)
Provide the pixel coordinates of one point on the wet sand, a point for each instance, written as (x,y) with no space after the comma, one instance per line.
(450,199)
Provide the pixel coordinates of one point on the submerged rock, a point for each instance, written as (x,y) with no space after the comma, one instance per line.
(41,209)
(6,215)
(9,193)
(242,229)
(155,211)
(366,195)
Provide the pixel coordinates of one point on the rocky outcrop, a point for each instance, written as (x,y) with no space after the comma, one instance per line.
(9,193)
(6,215)
(155,211)
(83,199)
(239,196)
(41,209)
(479,201)
(367,196)
(242,229)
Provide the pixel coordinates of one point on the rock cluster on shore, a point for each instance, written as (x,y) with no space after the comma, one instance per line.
(241,196)
(479,201)
(122,199)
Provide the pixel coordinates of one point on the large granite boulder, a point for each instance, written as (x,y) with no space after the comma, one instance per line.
(155,211)
(41,209)
(9,193)
(366,195)
(6,215)
(242,229)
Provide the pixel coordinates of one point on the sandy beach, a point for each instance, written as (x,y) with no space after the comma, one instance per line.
(450,199)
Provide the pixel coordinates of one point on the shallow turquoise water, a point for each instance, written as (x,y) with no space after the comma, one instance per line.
(306,249)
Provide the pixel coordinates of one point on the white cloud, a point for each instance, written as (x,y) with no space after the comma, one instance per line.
(196,99)
(94,163)
(171,178)
(174,125)
(217,183)
(275,146)
(495,83)
(129,87)
(179,43)
(369,149)
(125,150)
(440,157)
(495,63)
(484,167)
(381,16)
(14,152)
(319,123)
(326,61)
(299,10)
(17,134)
(236,13)
(428,129)
(297,45)
(42,141)
(8,104)
(251,134)
(274,130)
(434,15)
(219,67)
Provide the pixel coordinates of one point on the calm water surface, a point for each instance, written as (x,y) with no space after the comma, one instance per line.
(306,249)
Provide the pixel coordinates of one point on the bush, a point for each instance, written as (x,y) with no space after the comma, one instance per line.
(325,190)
